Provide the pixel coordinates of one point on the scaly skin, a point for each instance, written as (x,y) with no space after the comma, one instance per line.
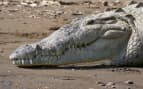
(114,35)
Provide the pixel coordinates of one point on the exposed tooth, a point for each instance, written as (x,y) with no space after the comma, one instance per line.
(31,62)
(13,62)
(49,60)
(53,53)
(73,46)
(58,57)
(22,61)
(69,46)
(48,52)
(45,60)
(53,59)
(58,53)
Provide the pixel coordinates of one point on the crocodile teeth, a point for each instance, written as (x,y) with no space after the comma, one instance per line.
(13,62)
(53,53)
(22,61)
(73,46)
(31,62)
(58,57)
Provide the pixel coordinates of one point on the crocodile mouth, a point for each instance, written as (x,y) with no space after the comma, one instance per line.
(52,59)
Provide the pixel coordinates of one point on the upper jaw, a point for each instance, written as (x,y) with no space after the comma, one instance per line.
(12,57)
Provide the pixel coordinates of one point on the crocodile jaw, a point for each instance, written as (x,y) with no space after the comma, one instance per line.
(93,52)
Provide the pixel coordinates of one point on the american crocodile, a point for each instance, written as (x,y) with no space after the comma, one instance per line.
(115,35)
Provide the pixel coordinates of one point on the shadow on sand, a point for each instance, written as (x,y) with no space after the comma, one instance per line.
(80,67)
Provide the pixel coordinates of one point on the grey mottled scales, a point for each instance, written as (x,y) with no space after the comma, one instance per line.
(115,35)
(133,55)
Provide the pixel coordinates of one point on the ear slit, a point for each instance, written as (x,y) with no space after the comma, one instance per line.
(139,5)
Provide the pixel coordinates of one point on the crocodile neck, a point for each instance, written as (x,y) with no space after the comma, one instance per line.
(132,54)
(137,12)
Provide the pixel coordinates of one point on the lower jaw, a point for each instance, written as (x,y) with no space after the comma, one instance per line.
(35,65)
(51,61)
(68,58)
(40,63)
(28,64)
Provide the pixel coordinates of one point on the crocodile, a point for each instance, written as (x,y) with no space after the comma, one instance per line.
(115,35)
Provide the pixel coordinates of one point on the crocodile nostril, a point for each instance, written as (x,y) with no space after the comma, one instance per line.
(11,57)
(90,22)
(26,45)
(15,59)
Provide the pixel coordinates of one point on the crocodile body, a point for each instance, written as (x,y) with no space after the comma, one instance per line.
(115,35)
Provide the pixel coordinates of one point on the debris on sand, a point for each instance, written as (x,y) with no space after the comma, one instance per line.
(40,3)
(132,70)
(33,5)
(13,10)
(43,3)
(77,13)
(110,84)
(5,3)
(49,3)
(100,83)
(67,2)
(105,3)
(54,28)
(87,2)
(90,88)
(1,51)
(51,13)
(113,86)
(129,82)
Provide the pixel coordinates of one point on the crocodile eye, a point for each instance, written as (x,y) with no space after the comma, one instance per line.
(105,20)
(109,20)
(112,34)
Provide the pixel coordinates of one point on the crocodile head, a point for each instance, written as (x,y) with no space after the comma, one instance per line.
(90,38)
